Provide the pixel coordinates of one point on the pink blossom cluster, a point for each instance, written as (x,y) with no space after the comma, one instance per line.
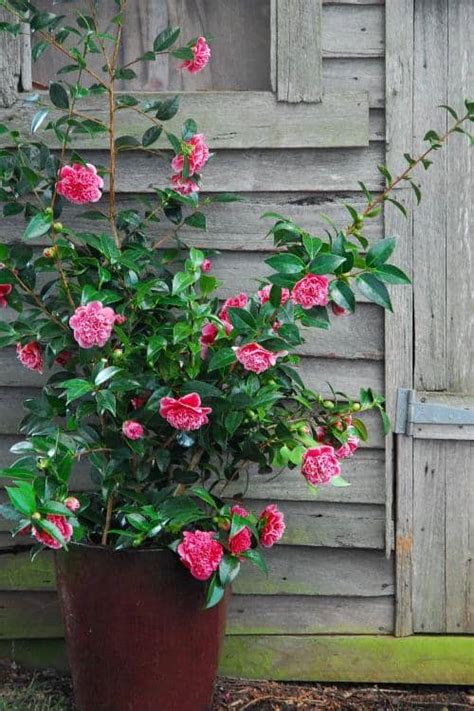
(312,290)
(197,153)
(132,429)
(264,295)
(31,356)
(63,526)
(257,358)
(79,184)
(201,553)
(185,413)
(5,290)
(202,55)
(92,324)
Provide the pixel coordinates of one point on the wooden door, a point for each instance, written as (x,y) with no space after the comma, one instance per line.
(430,349)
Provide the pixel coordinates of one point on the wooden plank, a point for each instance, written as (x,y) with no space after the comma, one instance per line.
(352,658)
(310,170)
(459,205)
(329,525)
(429,220)
(231,120)
(292,571)
(26,79)
(398,327)
(232,227)
(11,409)
(429,544)
(416,660)
(298,50)
(9,63)
(459,589)
(257,615)
(26,615)
(356,73)
(353,31)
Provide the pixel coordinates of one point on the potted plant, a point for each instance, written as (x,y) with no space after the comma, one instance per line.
(158,390)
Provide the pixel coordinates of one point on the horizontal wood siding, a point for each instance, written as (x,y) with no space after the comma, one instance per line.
(330,574)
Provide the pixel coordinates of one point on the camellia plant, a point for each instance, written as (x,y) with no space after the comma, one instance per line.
(164,392)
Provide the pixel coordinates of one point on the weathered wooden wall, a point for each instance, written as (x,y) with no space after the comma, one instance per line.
(330,575)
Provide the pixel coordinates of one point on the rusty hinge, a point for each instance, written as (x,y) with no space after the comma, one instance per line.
(433,415)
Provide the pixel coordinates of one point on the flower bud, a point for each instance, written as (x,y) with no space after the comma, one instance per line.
(50,252)
(36,516)
(117,355)
(328,404)
(57,227)
(42,463)
(72,503)
(356,406)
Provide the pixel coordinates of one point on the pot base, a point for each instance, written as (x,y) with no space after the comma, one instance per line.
(137,636)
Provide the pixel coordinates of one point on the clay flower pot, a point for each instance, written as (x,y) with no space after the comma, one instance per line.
(137,636)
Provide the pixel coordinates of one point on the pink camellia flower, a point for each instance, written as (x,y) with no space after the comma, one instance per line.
(63,526)
(242,541)
(311,290)
(185,413)
(256,358)
(234,302)
(273,526)
(320,464)
(132,429)
(208,336)
(79,184)
(72,503)
(264,295)
(348,449)
(25,531)
(197,152)
(200,553)
(92,324)
(206,266)
(63,358)
(338,310)
(183,186)
(31,356)
(5,290)
(138,401)
(202,55)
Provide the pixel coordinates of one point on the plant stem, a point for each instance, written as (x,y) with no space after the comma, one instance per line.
(108,518)
(37,300)
(406,173)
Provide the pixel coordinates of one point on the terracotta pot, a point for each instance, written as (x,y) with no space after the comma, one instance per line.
(137,635)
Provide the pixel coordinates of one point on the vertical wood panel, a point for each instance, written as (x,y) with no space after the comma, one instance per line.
(9,63)
(398,326)
(430,90)
(298,50)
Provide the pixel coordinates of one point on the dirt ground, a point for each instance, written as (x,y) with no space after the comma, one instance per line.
(22,690)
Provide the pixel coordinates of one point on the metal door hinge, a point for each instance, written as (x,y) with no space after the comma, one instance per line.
(433,415)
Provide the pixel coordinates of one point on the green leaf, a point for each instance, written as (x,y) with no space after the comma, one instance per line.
(232,421)
(380,251)
(326,264)
(339,481)
(106,402)
(124,142)
(58,95)
(242,320)
(227,197)
(151,135)
(385,421)
(183,53)
(22,498)
(215,593)
(182,281)
(360,428)
(197,220)
(166,38)
(228,569)
(398,205)
(38,119)
(106,374)
(38,226)
(222,359)
(255,557)
(342,294)
(392,275)
(168,109)
(205,496)
(374,289)
(286,263)
(154,346)
(76,388)
(312,245)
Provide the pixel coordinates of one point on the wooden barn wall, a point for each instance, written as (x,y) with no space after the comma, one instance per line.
(330,574)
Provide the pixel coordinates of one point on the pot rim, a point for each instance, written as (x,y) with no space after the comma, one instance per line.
(109,549)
